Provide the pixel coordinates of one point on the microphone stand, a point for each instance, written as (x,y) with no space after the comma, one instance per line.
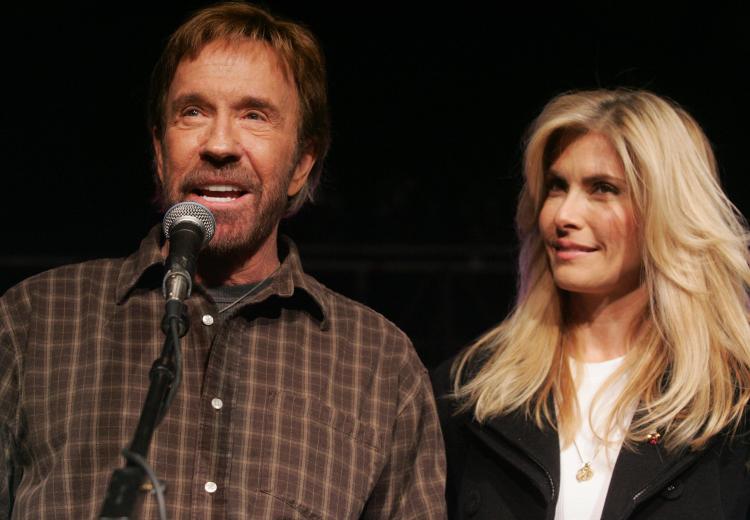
(128,485)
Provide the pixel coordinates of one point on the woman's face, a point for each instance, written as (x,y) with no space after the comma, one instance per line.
(587,220)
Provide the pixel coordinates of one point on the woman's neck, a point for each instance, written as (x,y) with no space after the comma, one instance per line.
(600,327)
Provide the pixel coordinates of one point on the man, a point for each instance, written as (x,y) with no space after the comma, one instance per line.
(295,402)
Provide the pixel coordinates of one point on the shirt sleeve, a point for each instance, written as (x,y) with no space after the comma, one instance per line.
(12,329)
(412,484)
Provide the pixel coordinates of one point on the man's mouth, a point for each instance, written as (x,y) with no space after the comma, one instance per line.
(219,192)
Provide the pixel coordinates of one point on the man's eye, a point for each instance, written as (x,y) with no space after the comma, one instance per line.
(254,116)
(191,112)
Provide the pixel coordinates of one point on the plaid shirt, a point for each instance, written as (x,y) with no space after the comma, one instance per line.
(298,403)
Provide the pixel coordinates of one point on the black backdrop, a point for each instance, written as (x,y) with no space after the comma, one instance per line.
(429,105)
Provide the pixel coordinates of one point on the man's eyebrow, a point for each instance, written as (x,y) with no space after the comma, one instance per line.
(189,98)
(257,103)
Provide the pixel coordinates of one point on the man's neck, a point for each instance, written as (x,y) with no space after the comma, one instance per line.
(240,268)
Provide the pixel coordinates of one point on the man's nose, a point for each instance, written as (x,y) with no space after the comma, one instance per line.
(221,145)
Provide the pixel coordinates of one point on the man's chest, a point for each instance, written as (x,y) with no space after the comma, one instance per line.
(263,425)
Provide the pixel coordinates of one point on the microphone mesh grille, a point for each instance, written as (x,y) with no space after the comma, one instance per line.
(190,211)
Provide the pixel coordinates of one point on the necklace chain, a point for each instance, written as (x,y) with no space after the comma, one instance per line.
(585,472)
(254,289)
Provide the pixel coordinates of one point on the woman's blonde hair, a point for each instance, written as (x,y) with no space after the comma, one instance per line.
(689,362)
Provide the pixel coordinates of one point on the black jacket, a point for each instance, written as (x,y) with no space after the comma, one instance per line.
(509,469)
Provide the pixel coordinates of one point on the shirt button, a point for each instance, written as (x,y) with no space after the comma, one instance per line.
(217,403)
(208,319)
(210,486)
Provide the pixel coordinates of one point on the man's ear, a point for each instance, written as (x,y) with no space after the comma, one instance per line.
(301,171)
(158,154)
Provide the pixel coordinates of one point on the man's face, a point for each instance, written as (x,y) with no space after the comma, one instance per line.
(230,141)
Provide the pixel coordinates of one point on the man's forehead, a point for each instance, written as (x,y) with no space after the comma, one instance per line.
(230,50)
(240,71)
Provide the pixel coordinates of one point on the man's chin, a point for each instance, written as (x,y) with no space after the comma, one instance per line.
(234,243)
(222,245)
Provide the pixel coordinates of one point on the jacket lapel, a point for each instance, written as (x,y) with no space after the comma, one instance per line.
(638,474)
(534,451)
(641,473)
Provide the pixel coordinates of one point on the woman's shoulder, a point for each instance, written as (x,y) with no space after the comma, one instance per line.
(443,375)
(454,418)
(741,433)
(440,376)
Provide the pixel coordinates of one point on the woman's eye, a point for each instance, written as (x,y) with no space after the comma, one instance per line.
(605,187)
(556,184)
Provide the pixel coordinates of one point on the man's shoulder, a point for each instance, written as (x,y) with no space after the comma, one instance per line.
(350,317)
(99,272)
(341,308)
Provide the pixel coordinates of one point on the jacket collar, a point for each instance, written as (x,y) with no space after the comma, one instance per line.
(534,451)
(639,473)
(145,268)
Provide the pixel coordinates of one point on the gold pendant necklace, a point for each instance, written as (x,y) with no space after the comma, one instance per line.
(585,472)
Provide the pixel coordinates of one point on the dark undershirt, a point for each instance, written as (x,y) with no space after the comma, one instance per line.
(226,295)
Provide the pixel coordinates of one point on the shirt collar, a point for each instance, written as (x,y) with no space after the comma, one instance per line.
(144,268)
(146,259)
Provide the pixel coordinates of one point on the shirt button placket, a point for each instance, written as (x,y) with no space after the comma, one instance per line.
(211,467)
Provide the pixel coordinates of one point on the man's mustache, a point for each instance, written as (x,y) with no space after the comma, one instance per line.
(241,177)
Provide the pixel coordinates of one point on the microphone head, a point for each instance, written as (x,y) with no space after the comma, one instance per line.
(197,214)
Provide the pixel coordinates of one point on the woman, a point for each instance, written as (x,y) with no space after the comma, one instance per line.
(617,386)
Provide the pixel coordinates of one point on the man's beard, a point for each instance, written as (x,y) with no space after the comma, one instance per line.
(237,240)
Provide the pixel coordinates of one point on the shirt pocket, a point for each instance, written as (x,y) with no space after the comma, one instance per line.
(317,460)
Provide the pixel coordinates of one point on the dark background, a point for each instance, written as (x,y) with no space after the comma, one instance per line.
(429,105)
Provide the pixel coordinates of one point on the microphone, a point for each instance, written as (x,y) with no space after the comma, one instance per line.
(188,226)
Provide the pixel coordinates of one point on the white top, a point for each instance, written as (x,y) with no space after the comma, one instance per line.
(585,500)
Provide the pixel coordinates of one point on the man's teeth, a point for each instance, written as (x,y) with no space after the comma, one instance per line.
(220,187)
(218,199)
(219,193)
